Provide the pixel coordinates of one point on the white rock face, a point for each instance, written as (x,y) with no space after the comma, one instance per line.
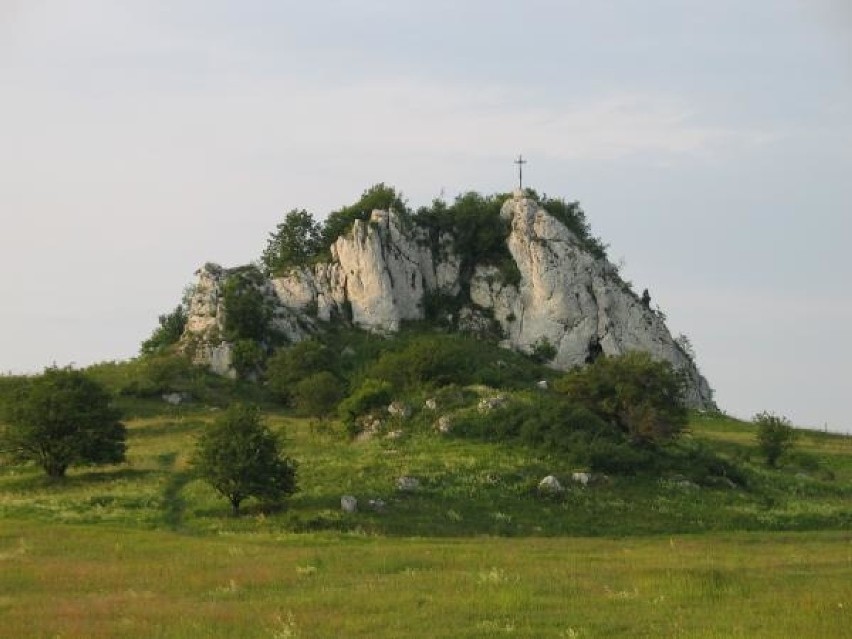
(381,270)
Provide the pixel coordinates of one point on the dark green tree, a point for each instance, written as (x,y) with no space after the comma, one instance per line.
(63,418)
(241,458)
(167,333)
(641,396)
(288,366)
(318,394)
(295,242)
(775,436)
(247,313)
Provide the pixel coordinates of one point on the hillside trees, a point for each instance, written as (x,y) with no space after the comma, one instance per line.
(241,458)
(171,326)
(63,418)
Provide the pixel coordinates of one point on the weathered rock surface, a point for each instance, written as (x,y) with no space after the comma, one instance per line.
(381,269)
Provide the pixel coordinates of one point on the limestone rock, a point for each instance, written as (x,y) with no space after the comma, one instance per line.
(444,424)
(381,270)
(430,404)
(407,484)
(550,485)
(349,504)
(399,409)
(487,404)
(581,478)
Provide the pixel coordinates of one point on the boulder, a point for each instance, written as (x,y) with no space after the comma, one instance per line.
(399,409)
(407,484)
(444,424)
(550,485)
(349,504)
(581,478)
(430,404)
(487,404)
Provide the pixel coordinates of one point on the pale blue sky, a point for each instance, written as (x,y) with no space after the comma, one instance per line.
(710,144)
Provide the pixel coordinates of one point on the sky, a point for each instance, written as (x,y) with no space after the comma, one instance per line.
(710,144)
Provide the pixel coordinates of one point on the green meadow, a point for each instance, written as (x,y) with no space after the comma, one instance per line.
(144,549)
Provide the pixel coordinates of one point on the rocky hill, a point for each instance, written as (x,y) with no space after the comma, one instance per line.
(558,300)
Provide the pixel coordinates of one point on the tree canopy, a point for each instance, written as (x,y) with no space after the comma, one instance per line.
(63,418)
(640,395)
(241,458)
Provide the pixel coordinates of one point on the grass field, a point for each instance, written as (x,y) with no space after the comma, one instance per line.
(146,550)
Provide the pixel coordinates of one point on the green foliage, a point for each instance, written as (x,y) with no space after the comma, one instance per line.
(775,436)
(241,458)
(318,394)
(573,217)
(378,196)
(167,333)
(543,351)
(288,366)
(247,357)
(371,394)
(63,418)
(247,311)
(542,420)
(296,242)
(641,396)
(477,230)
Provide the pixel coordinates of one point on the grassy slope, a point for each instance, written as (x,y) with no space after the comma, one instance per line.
(166,561)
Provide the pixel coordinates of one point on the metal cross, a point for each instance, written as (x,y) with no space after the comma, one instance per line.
(520,162)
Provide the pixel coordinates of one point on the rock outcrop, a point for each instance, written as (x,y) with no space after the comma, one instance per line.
(568,303)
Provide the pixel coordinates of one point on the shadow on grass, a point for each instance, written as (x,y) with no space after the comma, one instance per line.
(174,505)
(151,431)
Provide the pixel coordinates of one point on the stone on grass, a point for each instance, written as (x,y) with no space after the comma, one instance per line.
(431,404)
(349,504)
(487,404)
(550,485)
(377,505)
(543,385)
(407,484)
(399,409)
(581,478)
(444,424)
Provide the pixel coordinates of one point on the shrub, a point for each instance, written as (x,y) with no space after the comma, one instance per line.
(167,333)
(288,366)
(318,394)
(775,436)
(372,393)
(378,196)
(240,458)
(247,357)
(641,396)
(247,313)
(62,418)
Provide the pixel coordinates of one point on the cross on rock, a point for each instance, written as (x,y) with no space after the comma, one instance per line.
(520,162)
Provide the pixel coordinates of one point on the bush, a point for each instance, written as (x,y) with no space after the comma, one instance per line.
(167,333)
(288,366)
(247,313)
(63,418)
(775,436)
(318,394)
(240,458)
(371,394)
(378,196)
(641,396)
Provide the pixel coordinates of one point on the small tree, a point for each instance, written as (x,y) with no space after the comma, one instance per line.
(640,395)
(167,333)
(775,436)
(295,242)
(240,458)
(62,418)
(318,394)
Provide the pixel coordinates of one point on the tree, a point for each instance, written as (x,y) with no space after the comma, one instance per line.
(295,242)
(247,313)
(318,394)
(641,396)
(288,366)
(63,418)
(240,458)
(167,333)
(775,436)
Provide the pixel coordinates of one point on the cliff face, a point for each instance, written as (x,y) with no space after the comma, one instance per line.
(381,272)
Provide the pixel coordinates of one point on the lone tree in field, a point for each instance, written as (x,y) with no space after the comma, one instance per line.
(63,418)
(240,457)
(641,396)
(775,436)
